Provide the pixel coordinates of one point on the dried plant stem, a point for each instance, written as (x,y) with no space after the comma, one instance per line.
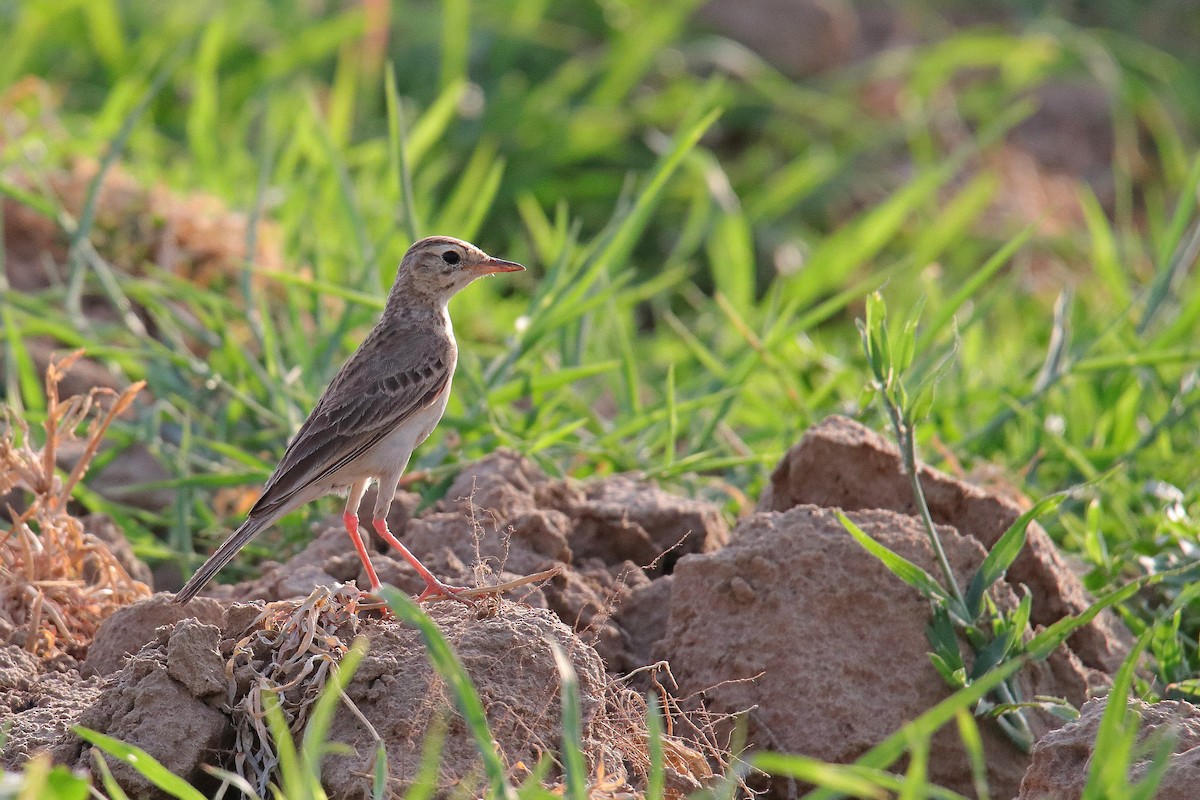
(57,581)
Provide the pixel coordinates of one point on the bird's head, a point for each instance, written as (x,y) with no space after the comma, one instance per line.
(439,266)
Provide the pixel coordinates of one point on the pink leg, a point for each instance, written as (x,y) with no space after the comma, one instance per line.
(351,521)
(434,589)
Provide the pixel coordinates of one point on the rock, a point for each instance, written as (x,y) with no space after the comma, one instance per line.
(144,706)
(624,519)
(842,464)
(794,620)
(194,657)
(132,627)
(1062,758)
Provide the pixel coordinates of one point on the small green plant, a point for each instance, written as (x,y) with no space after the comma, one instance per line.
(1117,747)
(994,635)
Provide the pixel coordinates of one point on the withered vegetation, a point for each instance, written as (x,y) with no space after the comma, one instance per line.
(57,581)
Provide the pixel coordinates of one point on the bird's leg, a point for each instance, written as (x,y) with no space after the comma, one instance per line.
(350,518)
(434,589)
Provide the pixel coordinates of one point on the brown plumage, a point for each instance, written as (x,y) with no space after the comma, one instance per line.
(385,400)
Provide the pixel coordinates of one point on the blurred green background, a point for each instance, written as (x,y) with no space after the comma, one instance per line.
(704,193)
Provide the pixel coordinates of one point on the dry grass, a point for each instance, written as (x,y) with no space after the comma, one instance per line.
(58,582)
(291,653)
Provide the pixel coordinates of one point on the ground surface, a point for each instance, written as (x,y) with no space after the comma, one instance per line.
(785,618)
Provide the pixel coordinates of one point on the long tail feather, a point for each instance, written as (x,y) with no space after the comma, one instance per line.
(223,555)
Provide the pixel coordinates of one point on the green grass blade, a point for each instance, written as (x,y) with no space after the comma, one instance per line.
(968,732)
(425,783)
(456,42)
(78,257)
(897,564)
(1107,773)
(656,780)
(836,778)
(104,31)
(1005,551)
(293,780)
(398,155)
(313,745)
(146,765)
(946,310)
(574,766)
(228,778)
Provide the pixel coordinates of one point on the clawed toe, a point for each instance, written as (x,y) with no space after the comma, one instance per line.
(436,590)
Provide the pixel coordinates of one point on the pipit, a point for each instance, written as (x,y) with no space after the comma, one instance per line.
(385,400)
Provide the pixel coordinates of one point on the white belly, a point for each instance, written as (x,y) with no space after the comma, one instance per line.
(390,456)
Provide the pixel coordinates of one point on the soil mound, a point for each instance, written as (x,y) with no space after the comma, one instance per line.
(180,695)
(1062,759)
(842,464)
(827,646)
(786,618)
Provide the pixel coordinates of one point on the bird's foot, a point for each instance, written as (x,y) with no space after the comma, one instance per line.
(372,600)
(436,590)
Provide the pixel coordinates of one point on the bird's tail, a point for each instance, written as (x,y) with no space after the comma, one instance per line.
(223,555)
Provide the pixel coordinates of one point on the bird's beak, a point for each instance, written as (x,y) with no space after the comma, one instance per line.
(491,266)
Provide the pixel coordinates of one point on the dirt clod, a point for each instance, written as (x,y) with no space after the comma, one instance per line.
(842,464)
(145,706)
(1062,759)
(623,519)
(129,629)
(508,659)
(193,657)
(795,621)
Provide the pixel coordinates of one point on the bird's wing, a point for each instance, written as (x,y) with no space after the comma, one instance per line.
(396,372)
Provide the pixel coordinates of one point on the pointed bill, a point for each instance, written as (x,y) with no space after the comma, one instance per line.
(493,265)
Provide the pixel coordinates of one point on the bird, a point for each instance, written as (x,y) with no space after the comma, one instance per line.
(384,401)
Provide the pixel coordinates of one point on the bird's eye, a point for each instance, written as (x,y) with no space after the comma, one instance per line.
(450,256)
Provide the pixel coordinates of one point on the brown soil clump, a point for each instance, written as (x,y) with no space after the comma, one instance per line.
(1062,759)
(826,645)
(842,464)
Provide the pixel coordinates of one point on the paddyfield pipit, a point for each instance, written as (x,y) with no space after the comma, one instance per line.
(384,401)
